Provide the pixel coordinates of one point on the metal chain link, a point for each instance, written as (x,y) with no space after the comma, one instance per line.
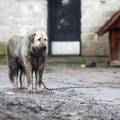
(60,88)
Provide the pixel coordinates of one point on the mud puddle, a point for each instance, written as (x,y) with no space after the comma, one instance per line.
(97,98)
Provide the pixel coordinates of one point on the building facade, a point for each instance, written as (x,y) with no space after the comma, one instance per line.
(71,25)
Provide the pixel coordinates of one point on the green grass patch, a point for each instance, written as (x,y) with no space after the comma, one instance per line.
(2,48)
(101,64)
(2,53)
(75,62)
(3,59)
(68,62)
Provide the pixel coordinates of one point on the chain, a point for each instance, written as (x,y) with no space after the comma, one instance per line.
(46,86)
(63,88)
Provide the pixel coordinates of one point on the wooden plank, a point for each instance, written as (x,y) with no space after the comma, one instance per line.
(113,46)
(114,39)
(107,26)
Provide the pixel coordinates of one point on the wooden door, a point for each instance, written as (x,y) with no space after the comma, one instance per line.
(115,45)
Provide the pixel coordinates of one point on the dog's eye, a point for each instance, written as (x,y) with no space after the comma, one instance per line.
(45,39)
(39,39)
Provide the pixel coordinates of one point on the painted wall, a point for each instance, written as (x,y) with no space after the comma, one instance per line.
(22,16)
(94,14)
(29,15)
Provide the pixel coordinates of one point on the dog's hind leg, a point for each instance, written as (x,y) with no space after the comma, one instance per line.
(20,78)
(11,76)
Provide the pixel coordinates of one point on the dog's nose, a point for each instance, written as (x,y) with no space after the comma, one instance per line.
(43,46)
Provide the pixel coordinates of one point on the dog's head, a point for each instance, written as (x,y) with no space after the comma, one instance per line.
(39,42)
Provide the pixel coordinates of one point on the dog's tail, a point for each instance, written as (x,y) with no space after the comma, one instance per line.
(9,59)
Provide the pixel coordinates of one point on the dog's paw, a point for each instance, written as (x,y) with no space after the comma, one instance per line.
(22,88)
(15,86)
(38,89)
(30,89)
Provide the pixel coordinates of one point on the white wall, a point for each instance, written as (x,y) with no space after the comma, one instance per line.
(22,16)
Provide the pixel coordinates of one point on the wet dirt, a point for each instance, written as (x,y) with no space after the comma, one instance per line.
(94,94)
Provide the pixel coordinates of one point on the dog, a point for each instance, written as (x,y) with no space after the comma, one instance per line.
(14,66)
(26,55)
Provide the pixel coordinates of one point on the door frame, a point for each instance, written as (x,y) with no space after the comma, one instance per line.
(48,31)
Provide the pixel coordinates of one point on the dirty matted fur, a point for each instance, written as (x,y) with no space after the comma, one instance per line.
(27,54)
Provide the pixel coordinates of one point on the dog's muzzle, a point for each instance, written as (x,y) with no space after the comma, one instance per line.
(35,51)
(43,47)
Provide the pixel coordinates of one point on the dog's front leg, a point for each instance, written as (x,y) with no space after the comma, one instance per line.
(28,70)
(39,78)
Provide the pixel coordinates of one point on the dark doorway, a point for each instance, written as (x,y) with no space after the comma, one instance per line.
(64,26)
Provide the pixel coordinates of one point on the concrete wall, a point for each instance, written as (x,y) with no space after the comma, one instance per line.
(22,16)
(29,15)
(94,15)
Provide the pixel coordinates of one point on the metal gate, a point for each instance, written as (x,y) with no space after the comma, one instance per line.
(64,27)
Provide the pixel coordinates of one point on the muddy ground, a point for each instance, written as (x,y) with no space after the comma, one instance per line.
(96,96)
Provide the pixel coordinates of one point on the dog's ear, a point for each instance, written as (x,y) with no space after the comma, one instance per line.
(31,38)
